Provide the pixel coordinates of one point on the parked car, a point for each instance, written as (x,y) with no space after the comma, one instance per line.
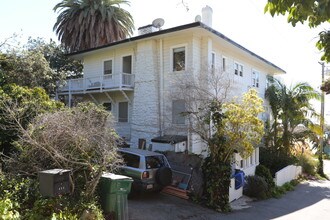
(150,171)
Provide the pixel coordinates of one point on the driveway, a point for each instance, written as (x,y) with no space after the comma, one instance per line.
(309,200)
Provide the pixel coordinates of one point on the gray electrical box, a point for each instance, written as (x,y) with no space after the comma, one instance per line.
(54,182)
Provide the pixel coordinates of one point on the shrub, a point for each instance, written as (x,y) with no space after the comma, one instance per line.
(275,160)
(264,172)
(308,164)
(7,210)
(22,192)
(256,187)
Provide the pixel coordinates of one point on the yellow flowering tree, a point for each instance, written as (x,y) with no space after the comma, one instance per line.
(242,127)
(235,128)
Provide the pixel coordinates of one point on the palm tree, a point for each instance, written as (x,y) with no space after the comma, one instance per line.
(290,106)
(84,24)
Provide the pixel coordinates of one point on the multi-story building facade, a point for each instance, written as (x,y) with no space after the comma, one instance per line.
(134,78)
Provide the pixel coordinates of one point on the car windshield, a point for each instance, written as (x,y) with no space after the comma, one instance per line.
(155,162)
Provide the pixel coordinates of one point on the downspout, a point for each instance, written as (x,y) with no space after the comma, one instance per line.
(161,90)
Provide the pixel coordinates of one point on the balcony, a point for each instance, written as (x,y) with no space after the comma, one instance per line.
(110,82)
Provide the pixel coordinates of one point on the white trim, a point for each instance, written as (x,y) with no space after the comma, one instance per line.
(255,74)
(239,65)
(215,60)
(128,115)
(108,59)
(121,62)
(185,57)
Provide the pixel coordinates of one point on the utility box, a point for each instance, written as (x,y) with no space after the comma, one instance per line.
(54,182)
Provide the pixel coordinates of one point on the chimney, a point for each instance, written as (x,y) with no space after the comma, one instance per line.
(146,29)
(207,15)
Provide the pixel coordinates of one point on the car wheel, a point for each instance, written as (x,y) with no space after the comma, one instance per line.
(164,176)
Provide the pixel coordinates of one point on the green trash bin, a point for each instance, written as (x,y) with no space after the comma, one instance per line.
(113,194)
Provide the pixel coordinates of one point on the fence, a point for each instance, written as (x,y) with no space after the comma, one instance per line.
(287,174)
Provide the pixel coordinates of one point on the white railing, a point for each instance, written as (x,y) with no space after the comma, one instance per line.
(110,81)
(287,174)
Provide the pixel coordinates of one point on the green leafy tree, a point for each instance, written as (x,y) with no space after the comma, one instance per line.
(27,103)
(310,11)
(38,64)
(55,54)
(290,108)
(84,24)
(236,128)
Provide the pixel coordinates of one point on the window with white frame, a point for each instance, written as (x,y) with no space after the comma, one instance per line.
(255,79)
(213,61)
(127,64)
(107,67)
(123,112)
(224,63)
(178,109)
(238,68)
(107,106)
(179,58)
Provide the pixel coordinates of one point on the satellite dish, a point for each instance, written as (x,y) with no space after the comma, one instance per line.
(198,18)
(158,23)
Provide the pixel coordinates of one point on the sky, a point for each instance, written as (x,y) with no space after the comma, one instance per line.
(244,21)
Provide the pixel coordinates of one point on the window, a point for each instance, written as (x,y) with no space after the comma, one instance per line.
(255,79)
(238,69)
(179,59)
(123,112)
(178,108)
(213,61)
(131,160)
(153,162)
(107,67)
(127,64)
(224,63)
(107,106)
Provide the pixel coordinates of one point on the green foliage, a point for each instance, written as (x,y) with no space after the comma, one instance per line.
(278,191)
(290,107)
(216,185)
(7,211)
(314,12)
(19,193)
(275,160)
(20,104)
(19,199)
(64,208)
(256,187)
(264,172)
(56,56)
(84,24)
(308,164)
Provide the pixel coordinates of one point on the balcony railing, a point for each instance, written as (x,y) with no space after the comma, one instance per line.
(104,82)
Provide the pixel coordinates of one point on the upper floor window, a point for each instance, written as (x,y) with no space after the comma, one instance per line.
(238,69)
(127,64)
(179,59)
(255,79)
(213,61)
(123,112)
(224,63)
(178,109)
(107,67)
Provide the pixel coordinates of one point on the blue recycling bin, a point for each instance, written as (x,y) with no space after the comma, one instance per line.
(239,179)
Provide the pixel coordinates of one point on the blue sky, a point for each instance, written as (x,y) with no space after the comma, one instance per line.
(244,21)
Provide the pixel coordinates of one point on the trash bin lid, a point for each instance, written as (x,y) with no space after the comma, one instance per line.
(55,171)
(114,176)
